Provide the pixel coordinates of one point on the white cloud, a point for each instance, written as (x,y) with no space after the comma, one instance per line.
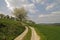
(50,6)
(15,3)
(30,7)
(42,15)
(42,2)
(57,1)
(11,4)
(36,1)
(54,17)
(57,13)
(8,5)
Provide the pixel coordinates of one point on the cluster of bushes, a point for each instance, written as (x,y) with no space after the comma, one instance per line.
(9,29)
(2,16)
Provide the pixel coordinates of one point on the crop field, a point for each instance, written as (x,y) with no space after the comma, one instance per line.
(48,32)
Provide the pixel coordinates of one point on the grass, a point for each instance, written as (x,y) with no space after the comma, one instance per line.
(28,35)
(42,37)
(48,32)
(9,29)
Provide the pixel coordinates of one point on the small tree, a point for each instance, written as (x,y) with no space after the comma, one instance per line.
(2,15)
(7,17)
(12,18)
(20,13)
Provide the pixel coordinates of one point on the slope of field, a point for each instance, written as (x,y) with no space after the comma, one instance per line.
(48,32)
(9,29)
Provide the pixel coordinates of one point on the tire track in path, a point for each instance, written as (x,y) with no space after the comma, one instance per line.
(34,34)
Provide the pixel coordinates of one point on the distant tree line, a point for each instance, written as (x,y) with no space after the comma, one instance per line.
(2,16)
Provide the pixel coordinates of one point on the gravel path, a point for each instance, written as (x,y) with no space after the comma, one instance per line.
(34,34)
(20,37)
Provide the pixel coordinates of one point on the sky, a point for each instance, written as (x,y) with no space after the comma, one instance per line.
(40,11)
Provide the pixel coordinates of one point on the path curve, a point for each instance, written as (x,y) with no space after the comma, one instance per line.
(34,34)
(20,37)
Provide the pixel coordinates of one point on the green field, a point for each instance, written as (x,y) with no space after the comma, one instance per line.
(9,29)
(48,32)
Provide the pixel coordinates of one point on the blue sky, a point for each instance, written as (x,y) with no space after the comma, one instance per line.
(40,11)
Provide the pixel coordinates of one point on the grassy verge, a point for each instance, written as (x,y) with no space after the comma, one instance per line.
(28,36)
(9,29)
(42,37)
(48,32)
